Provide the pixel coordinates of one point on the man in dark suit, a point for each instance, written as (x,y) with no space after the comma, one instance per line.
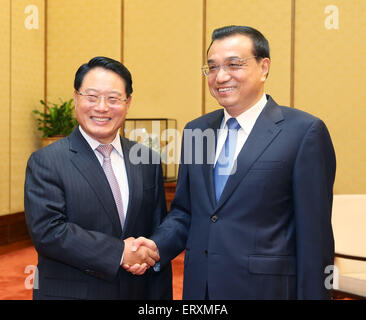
(253,202)
(86,199)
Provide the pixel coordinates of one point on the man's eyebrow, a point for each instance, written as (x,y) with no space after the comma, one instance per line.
(228,58)
(115,92)
(233,57)
(91,89)
(97,91)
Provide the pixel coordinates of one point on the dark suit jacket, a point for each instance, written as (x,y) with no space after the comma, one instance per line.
(74,224)
(270,234)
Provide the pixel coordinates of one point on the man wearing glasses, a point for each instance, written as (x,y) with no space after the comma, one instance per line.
(255,216)
(85,200)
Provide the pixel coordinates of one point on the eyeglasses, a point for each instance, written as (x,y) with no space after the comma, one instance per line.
(94,100)
(230,66)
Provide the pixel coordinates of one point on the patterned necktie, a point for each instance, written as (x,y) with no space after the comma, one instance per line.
(225,161)
(105,150)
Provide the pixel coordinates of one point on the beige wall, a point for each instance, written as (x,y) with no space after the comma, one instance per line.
(163,44)
(22,86)
(5,106)
(329,71)
(78,30)
(27,88)
(163,49)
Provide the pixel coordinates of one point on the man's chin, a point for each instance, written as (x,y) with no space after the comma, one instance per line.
(103,138)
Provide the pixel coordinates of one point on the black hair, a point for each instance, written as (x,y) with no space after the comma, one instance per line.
(260,43)
(106,63)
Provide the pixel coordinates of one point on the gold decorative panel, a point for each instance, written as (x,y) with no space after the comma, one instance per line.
(163,50)
(329,80)
(27,88)
(78,31)
(5,105)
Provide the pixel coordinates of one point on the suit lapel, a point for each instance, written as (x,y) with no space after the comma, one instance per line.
(264,131)
(84,159)
(135,186)
(209,156)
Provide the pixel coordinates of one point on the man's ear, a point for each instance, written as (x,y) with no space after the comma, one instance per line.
(75,98)
(266,63)
(128,102)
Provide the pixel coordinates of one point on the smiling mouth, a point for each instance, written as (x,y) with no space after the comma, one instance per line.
(225,89)
(100,119)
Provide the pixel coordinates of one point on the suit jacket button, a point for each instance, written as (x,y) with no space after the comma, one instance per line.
(206,252)
(214,218)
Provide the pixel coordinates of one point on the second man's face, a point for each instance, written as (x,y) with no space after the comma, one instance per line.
(102,120)
(240,89)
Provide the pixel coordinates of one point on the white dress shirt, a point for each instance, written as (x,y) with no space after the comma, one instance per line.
(118,165)
(246,120)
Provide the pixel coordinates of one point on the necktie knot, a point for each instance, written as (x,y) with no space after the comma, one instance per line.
(105,150)
(233,124)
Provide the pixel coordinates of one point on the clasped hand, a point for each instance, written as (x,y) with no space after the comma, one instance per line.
(139,255)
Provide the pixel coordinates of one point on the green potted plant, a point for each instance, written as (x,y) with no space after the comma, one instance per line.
(57,121)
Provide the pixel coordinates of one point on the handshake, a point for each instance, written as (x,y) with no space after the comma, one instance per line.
(139,255)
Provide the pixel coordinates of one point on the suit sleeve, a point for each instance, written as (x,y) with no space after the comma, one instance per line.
(53,235)
(171,235)
(160,282)
(313,179)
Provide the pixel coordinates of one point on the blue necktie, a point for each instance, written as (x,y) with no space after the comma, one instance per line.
(225,160)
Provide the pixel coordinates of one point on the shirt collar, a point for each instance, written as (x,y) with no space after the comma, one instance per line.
(116,143)
(248,118)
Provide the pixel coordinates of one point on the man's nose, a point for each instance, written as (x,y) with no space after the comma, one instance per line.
(102,104)
(222,75)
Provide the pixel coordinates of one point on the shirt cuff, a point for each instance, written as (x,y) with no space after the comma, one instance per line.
(156,267)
